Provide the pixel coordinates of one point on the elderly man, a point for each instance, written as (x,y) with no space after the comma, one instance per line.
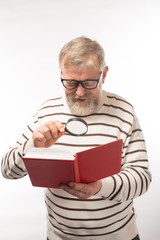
(99,210)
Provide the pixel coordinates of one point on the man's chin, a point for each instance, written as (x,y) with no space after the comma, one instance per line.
(78,109)
(82,106)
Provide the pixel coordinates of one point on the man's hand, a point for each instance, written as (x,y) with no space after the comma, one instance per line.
(82,190)
(47,134)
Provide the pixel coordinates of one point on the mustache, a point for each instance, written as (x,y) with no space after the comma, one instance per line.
(86,95)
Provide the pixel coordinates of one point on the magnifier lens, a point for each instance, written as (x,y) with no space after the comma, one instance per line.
(76,126)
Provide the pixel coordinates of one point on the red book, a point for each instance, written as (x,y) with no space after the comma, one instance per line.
(49,167)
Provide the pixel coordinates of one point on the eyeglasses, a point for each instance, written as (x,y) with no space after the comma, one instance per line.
(87,84)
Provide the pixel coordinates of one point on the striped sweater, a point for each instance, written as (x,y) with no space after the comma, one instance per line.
(110,213)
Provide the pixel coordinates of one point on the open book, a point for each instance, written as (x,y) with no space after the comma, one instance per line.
(49,167)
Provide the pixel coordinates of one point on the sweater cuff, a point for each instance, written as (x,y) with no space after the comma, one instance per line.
(29,144)
(107,187)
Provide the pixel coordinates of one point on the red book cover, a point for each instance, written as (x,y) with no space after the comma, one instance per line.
(47,170)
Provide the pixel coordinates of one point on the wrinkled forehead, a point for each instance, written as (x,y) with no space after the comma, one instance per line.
(90,61)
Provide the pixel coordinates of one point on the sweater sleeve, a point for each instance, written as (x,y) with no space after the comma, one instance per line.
(135,177)
(12,165)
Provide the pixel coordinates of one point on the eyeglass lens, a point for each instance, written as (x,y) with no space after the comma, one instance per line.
(88,84)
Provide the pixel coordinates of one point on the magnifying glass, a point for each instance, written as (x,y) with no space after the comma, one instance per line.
(76,127)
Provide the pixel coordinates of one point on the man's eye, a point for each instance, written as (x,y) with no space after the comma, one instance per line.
(71,84)
(89,83)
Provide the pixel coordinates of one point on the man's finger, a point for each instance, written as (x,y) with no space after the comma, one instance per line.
(56,128)
(45,131)
(60,126)
(81,187)
(77,193)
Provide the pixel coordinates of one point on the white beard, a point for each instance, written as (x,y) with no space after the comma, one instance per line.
(82,109)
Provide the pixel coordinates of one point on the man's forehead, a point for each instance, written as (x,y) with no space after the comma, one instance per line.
(88,61)
(80,70)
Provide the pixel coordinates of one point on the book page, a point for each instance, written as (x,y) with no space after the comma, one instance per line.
(49,153)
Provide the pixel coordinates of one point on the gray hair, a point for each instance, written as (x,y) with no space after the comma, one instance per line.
(78,51)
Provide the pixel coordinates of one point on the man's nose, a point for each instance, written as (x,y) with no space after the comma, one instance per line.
(80,90)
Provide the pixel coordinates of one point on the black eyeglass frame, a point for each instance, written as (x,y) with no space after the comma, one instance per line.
(81,82)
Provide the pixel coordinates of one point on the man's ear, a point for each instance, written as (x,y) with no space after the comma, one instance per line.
(105,70)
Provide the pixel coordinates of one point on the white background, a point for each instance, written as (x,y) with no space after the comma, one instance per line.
(32,33)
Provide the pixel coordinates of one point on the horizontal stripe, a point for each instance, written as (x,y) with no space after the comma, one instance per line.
(76,145)
(108,125)
(88,228)
(81,209)
(137,140)
(138,161)
(15,173)
(136,130)
(139,150)
(74,199)
(96,134)
(93,235)
(119,99)
(52,99)
(120,108)
(132,142)
(88,219)
(51,106)
(94,114)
